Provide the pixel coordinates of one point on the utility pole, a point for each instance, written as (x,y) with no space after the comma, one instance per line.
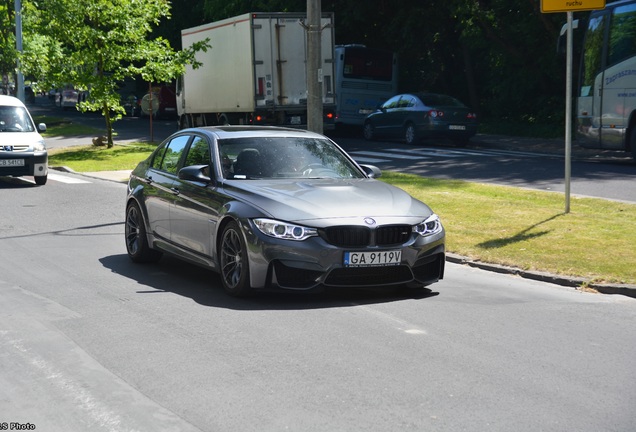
(314,67)
(18,45)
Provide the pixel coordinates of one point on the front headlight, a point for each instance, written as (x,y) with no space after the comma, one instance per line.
(39,146)
(432,225)
(284,230)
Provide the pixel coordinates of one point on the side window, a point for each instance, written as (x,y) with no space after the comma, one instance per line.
(391,103)
(405,102)
(622,40)
(593,57)
(173,153)
(199,152)
(156,161)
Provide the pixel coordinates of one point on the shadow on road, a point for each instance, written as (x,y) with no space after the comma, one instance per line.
(204,287)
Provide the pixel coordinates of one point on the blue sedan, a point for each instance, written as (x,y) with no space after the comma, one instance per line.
(414,116)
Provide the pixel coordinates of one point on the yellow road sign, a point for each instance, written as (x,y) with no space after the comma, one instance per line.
(571,5)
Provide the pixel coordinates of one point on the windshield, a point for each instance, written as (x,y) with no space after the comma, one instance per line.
(283,157)
(15,119)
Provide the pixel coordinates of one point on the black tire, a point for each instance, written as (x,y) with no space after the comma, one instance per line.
(632,142)
(410,134)
(136,239)
(40,180)
(235,269)
(368,132)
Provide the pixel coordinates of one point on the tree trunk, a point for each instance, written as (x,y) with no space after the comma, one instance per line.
(470,77)
(109,126)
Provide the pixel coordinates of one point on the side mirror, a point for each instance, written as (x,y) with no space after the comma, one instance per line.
(195,173)
(371,171)
(42,127)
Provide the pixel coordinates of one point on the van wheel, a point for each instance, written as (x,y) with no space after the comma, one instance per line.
(632,142)
(40,180)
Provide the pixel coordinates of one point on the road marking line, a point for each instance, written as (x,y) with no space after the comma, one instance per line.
(65,179)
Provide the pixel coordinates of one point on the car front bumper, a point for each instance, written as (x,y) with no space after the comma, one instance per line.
(31,164)
(304,265)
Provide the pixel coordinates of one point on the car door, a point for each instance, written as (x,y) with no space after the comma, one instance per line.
(160,179)
(386,123)
(196,207)
(404,113)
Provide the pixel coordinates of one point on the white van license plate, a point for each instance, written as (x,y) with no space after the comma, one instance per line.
(372,259)
(11,162)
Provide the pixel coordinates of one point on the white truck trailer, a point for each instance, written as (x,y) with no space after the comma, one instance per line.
(255,72)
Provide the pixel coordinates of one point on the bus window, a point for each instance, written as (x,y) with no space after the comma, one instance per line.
(622,42)
(365,63)
(593,58)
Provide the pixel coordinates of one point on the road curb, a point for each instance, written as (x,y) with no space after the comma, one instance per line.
(114,176)
(567,281)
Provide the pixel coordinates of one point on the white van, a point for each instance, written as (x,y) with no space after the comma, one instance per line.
(22,148)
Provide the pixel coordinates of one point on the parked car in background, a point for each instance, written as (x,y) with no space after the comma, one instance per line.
(271,207)
(414,116)
(22,149)
(68,97)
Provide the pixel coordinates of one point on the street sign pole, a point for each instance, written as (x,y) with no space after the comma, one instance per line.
(569,6)
(568,115)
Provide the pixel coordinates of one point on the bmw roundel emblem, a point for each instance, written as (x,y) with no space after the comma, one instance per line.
(369,221)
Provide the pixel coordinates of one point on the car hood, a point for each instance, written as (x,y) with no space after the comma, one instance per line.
(321,200)
(20,140)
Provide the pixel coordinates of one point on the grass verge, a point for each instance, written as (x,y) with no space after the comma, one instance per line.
(495,224)
(529,229)
(59,126)
(92,158)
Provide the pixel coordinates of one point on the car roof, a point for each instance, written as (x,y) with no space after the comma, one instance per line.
(224,132)
(10,101)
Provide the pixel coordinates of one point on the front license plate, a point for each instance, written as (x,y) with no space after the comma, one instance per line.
(457,127)
(11,162)
(372,259)
(295,120)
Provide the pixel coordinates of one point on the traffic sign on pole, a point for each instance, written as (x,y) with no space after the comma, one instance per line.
(569,6)
(548,6)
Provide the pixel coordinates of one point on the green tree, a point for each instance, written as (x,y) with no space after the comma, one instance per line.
(8,54)
(95,45)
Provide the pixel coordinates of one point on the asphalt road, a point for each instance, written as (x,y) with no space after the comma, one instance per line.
(91,341)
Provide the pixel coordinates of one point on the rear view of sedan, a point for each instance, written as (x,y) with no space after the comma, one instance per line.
(416,116)
(22,149)
(278,208)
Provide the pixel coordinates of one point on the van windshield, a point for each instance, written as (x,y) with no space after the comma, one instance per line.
(15,119)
